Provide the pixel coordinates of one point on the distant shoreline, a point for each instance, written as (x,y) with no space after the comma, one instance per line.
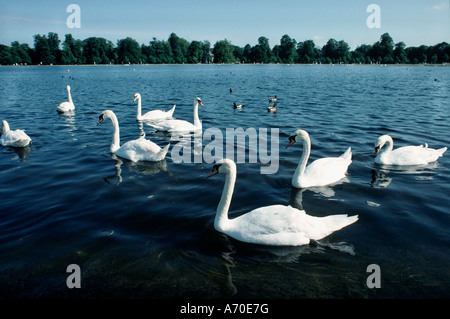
(225,64)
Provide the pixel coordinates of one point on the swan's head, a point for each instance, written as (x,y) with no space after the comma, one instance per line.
(224,166)
(379,143)
(68,88)
(106,114)
(198,101)
(136,96)
(297,136)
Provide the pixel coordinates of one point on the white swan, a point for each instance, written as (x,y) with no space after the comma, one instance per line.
(321,172)
(271,225)
(151,115)
(173,125)
(135,150)
(406,155)
(66,106)
(16,138)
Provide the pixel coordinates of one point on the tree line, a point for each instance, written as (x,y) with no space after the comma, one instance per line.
(48,50)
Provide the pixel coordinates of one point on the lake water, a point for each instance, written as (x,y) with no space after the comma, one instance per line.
(145,230)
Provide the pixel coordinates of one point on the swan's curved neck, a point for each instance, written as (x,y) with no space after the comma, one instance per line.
(387,148)
(303,160)
(196,119)
(139,106)
(70,96)
(5,127)
(115,143)
(224,204)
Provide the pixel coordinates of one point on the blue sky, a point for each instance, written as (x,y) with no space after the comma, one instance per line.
(414,22)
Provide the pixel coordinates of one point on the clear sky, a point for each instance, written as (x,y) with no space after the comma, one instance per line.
(414,22)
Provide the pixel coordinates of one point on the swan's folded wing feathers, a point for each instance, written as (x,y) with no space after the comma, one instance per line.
(140,149)
(16,138)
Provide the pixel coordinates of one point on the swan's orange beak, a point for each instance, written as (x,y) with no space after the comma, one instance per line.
(134,100)
(291,141)
(100,119)
(201,103)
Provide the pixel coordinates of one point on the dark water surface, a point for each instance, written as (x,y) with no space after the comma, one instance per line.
(145,230)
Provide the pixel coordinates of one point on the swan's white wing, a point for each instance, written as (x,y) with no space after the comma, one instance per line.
(141,150)
(158,114)
(65,107)
(325,171)
(16,138)
(173,125)
(284,225)
(155,115)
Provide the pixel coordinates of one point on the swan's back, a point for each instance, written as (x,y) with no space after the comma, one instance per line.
(327,170)
(411,155)
(174,125)
(65,107)
(283,225)
(142,150)
(158,114)
(16,138)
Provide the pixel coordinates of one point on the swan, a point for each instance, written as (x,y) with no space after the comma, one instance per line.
(238,106)
(151,115)
(173,125)
(140,149)
(321,172)
(16,138)
(66,106)
(277,225)
(406,155)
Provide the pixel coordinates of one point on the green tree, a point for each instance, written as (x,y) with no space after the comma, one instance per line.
(247,53)
(53,44)
(223,52)
(261,53)
(43,54)
(399,53)
(20,53)
(98,51)
(383,50)
(207,54)
(72,52)
(5,55)
(159,51)
(179,48)
(129,51)
(307,52)
(287,50)
(195,52)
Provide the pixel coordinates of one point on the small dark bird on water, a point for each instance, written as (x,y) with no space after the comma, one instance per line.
(238,106)
(272,109)
(273,99)
(232,90)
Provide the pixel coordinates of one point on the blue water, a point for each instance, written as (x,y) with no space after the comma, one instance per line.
(145,230)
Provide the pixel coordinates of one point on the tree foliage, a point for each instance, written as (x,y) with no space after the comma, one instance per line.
(48,49)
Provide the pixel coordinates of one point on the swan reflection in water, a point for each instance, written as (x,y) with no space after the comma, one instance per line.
(22,152)
(146,168)
(380,179)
